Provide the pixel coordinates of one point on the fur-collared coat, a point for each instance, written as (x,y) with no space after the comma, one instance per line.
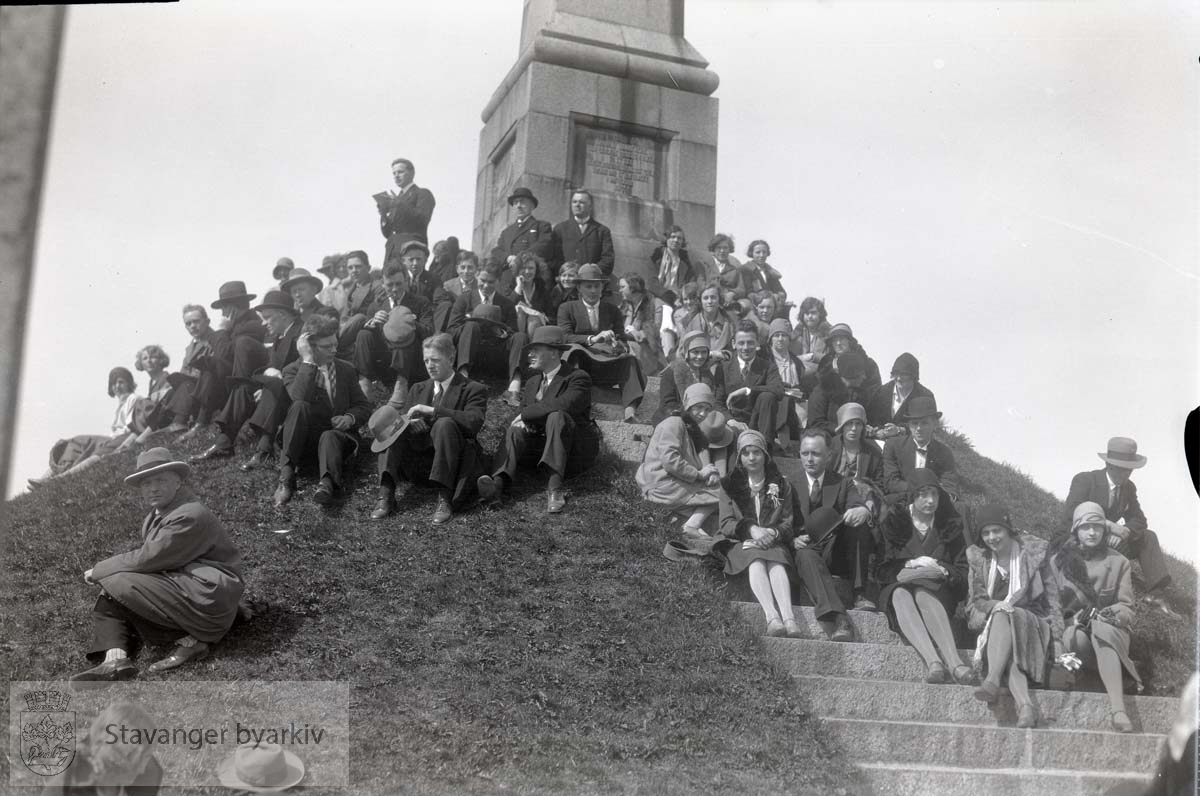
(738,513)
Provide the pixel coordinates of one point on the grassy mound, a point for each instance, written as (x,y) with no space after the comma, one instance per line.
(507,649)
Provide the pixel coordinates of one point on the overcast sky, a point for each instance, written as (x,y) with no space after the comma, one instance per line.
(1007,190)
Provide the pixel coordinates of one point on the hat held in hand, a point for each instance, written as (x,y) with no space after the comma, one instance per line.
(401,327)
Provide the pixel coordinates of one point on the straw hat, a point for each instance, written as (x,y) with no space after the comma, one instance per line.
(1122,451)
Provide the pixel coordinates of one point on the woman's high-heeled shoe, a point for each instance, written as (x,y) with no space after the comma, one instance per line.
(987,692)
(1120,721)
(965,675)
(1026,718)
(775,628)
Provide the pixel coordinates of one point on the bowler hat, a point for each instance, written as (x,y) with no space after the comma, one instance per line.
(232,291)
(1122,451)
(413,244)
(299,275)
(850,411)
(820,523)
(696,338)
(852,365)
(715,426)
(590,272)
(906,364)
(921,406)
(550,336)
(261,767)
(841,330)
(400,329)
(698,393)
(157,460)
(277,300)
(523,193)
(386,424)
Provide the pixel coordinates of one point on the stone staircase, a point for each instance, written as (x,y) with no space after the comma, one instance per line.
(907,737)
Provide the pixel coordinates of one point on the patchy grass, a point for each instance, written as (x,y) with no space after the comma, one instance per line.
(507,651)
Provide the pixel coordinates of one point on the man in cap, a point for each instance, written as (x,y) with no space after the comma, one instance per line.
(395,361)
(483,323)
(197,391)
(835,535)
(435,440)
(752,387)
(891,400)
(554,429)
(303,287)
(583,239)
(182,586)
(404,213)
(237,352)
(847,384)
(904,454)
(413,256)
(525,233)
(326,406)
(1129,531)
(599,328)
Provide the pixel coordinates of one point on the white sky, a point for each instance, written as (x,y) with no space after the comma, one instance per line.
(1007,190)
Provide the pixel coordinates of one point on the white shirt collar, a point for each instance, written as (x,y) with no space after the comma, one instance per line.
(819,480)
(446,384)
(549,377)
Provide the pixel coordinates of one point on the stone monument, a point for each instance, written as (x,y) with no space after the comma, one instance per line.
(606,95)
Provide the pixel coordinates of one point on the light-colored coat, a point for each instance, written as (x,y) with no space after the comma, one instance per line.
(670,472)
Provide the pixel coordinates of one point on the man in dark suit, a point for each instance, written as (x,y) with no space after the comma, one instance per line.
(600,328)
(752,387)
(237,353)
(904,454)
(1129,532)
(414,254)
(326,406)
(554,429)
(438,443)
(196,392)
(582,239)
(891,400)
(488,335)
(835,538)
(463,281)
(272,401)
(404,214)
(525,233)
(394,363)
(364,298)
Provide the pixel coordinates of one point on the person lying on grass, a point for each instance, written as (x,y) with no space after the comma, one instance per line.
(182,586)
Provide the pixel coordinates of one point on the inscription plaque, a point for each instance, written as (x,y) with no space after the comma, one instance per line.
(612,158)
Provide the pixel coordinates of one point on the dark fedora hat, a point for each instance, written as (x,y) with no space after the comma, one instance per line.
(157,460)
(298,275)
(1122,451)
(232,291)
(551,336)
(821,523)
(921,406)
(277,300)
(523,193)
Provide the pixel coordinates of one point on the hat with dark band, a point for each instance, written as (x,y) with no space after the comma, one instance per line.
(1122,451)
(299,275)
(230,292)
(277,300)
(523,193)
(157,460)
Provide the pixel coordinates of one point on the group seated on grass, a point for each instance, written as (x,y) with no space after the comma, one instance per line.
(393,359)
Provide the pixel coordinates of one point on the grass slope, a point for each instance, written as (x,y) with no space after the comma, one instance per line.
(508,651)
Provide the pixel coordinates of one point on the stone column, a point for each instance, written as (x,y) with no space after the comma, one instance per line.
(606,95)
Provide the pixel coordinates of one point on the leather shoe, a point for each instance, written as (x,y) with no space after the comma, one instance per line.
(284,492)
(937,673)
(179,656)
(1120,721)
(385,505)
(965,675)
(555,501)
(861,603)
(122,669)
(1026,718)
(324,494)
(260,459)
(792,629)
(511,398)
(488,487)
(775,628)
(842,630)
(442,514)
(213,452)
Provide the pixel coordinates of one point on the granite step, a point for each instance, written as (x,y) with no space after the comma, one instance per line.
(849,698)
(908,743)
(861,660)
(870,626)
(890,779)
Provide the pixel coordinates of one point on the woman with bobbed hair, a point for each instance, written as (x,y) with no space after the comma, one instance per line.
(924,575)
(1097,601)
(641,326)
(85,450)
(763,315)
(718,324)
(728,273)
(1013,604)
(809,336)
(531,292)
(762,277)
(151,413)
(672,265)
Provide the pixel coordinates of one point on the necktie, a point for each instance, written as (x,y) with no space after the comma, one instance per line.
(814,494)
(593,316)
(921,457)
(437,393)
(542,389)
(1114,497)
(327,379)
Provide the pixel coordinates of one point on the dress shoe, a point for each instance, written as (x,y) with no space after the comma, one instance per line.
(861,603)
(442,514)
(965,675)
(385,505)
(842,630)
(511,398)
(987,692)
(937,674)
(792,629)
(324,494)
(284,492)
(179,656)
(260,460)
(213,452)
(555,501)
(775,628)
(1026,718)
(191,433)
(1120,721)
(120,669)
(488,487)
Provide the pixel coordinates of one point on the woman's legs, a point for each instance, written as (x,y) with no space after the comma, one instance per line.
(760,584)
(699,515)
(1018,684)
(911,625)
(999,647)
(938,625)
(782,589)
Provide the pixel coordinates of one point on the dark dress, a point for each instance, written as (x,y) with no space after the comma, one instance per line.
(738,513)
(944,541)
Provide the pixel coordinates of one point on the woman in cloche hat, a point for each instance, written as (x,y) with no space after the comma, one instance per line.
(182,586)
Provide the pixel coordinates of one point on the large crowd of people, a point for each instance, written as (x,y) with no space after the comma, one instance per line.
(870,518)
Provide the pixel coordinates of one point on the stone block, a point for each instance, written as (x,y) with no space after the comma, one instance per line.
(544,147)
(862,660)
(871,627)
(693,172)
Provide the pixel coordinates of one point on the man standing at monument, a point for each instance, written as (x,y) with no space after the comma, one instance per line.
(582,239)
(525,233)
(404,213)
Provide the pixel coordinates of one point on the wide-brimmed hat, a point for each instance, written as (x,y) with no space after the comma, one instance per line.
(841,330)
(232,291)
(261,767)
(696,338)
(850,411)
(1122,451)
(921,406)
(277,300)
(820,523)
(906,364)
(852,365)
(552,336)
(992,514)
(400,329)
(413,244)
(715,426)
(386,424)
(779,326)
(157,460)
(1086,513)
(299,275)
(591,272)
(698,394)
(523,193)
